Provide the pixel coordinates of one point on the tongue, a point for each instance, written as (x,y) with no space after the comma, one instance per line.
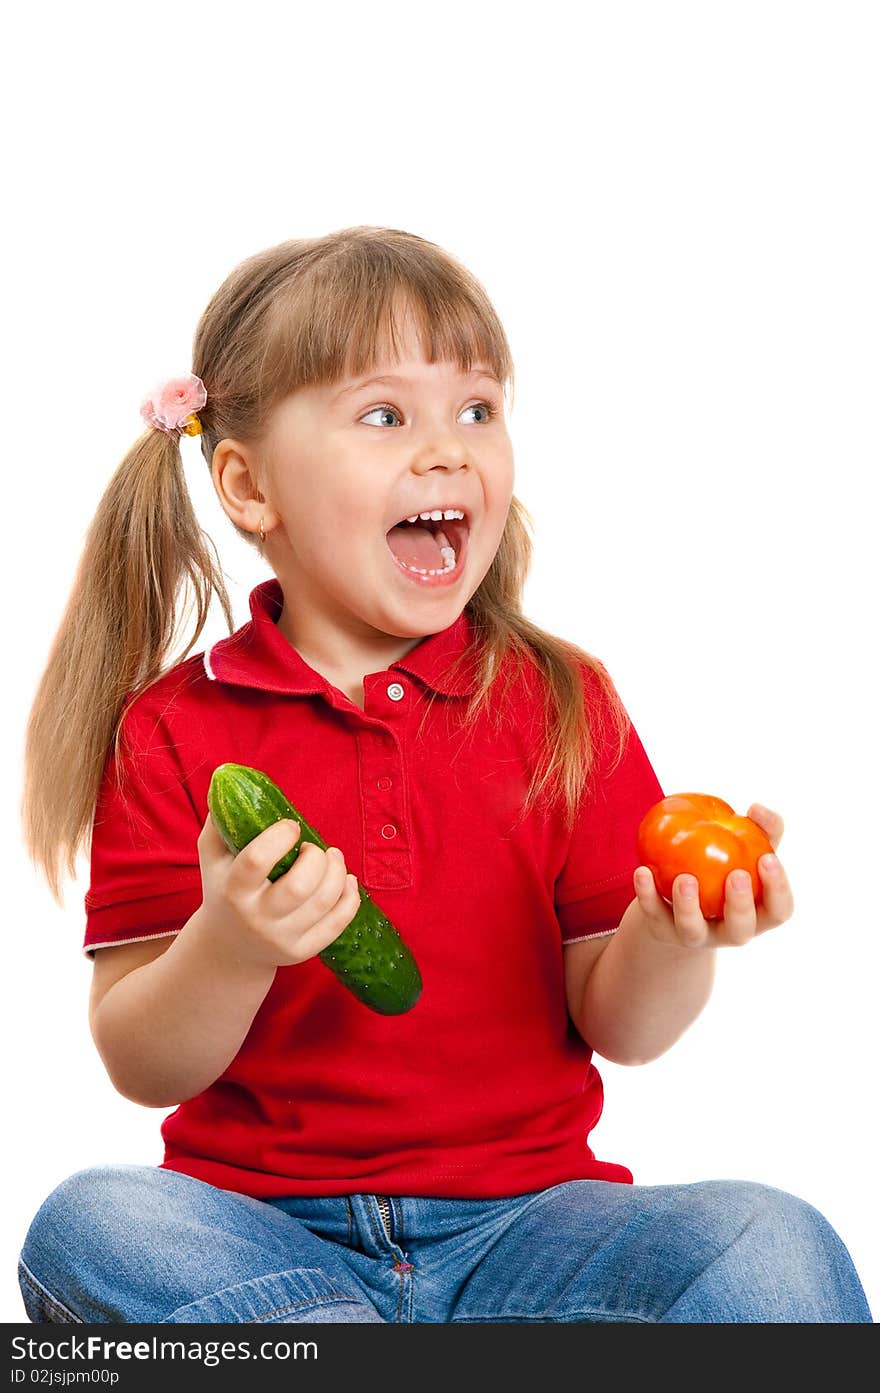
(416,546)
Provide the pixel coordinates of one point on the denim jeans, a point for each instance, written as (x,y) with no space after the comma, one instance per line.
(131,1243)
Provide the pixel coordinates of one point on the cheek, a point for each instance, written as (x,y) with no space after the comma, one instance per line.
(500,495)
(501,478)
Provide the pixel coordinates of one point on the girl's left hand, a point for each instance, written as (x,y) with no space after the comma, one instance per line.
(682,923)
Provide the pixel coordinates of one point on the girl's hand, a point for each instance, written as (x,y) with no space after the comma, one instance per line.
(683,924)
(256,921)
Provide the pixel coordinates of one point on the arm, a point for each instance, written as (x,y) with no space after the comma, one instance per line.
(641,994)
(655,974)
(169,1028)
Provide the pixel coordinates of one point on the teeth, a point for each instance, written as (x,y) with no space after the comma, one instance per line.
(438,515)
(448,554)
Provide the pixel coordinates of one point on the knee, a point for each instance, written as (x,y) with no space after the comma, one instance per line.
(783,1226)
(773,1257)
(80,1204)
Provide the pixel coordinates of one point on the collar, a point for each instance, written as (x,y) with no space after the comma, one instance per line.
(258,655)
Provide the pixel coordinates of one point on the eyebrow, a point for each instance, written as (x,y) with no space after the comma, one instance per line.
(393,377)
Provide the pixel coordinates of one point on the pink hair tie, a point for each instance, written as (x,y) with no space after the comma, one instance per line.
(171,406)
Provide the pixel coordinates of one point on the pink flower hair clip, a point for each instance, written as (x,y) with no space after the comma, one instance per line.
(171,406)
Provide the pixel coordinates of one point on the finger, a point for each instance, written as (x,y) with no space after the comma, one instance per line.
(210,844)
(691,928)
(335,921)
(647,894)
(313,883)
(777,899)
(299,884)
(254,862)
(740,916)
(664,920)
(769,821)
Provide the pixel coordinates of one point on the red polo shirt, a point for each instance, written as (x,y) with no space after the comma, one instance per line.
(484,1088)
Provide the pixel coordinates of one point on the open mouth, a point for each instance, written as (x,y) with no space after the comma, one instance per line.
(429,547)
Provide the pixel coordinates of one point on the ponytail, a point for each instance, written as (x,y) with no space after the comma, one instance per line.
(113,639)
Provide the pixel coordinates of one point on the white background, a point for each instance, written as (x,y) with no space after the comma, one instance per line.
(674,208)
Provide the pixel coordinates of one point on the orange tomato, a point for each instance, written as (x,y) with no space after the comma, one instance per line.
(702,836)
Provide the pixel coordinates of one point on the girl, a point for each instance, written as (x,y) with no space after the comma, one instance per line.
(478,775)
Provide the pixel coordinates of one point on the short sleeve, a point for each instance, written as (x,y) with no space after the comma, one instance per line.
(595,884)
(145,873)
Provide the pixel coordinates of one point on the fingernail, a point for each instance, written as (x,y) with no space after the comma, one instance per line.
(740,880)
(689,888)
(770,863)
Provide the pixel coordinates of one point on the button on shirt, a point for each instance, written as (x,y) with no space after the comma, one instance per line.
(484,1087)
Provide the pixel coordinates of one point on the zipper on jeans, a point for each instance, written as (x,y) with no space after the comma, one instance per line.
(385,1210)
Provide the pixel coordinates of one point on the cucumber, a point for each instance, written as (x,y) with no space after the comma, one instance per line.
(369,956)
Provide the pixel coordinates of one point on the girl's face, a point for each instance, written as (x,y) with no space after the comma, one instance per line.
(347,463)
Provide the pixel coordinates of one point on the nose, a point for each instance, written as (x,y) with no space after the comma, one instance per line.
(440,449)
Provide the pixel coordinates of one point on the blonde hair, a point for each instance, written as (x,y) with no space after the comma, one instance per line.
(307,311)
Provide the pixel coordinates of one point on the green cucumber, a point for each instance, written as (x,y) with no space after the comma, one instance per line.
(369,956)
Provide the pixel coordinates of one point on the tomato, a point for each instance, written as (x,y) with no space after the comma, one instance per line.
(703,836)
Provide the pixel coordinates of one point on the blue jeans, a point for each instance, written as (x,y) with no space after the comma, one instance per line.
(132,1244)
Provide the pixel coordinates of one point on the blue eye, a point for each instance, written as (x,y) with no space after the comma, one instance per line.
(487,406)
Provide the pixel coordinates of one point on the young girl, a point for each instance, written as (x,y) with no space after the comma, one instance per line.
(478,776)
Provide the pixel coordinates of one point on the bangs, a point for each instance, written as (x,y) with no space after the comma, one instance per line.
(345,316)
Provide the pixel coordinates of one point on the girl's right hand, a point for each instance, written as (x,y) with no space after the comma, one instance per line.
(274,923)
